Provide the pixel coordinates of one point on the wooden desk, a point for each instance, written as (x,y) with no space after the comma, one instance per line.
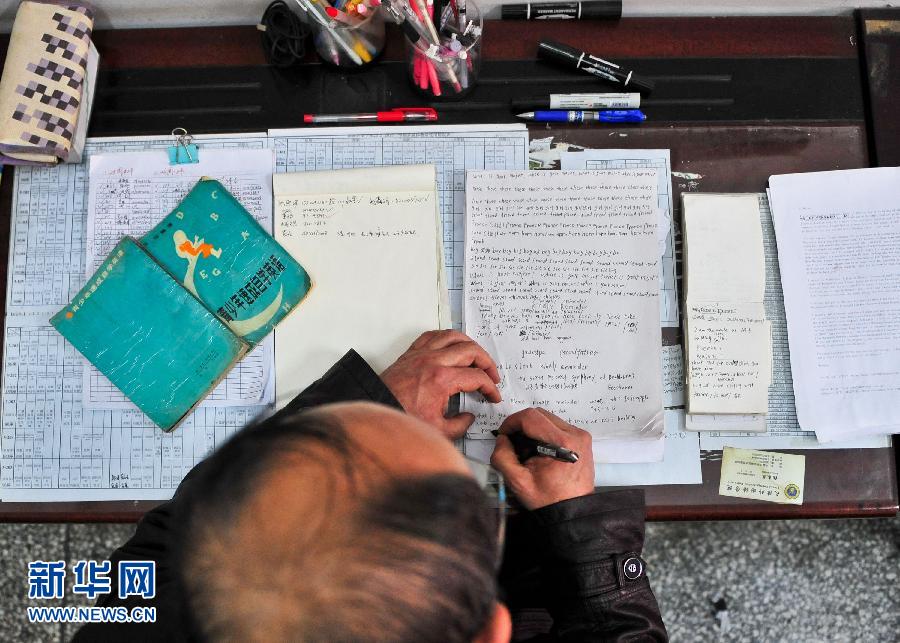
(769,103)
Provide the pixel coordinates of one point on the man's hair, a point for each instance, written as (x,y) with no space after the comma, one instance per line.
(411,559)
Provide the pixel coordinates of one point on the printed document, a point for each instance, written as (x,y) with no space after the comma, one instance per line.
(839,253)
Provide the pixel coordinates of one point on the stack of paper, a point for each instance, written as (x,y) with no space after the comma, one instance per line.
(370,240)
(839,253)
(727,336)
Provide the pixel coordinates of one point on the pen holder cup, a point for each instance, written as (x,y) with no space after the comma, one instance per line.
(448,71)
(348,45)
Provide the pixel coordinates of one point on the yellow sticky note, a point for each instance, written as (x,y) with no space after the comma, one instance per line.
(762,475)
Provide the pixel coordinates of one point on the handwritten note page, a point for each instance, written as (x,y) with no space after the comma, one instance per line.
(129,193)
(562,289)
(727,336)
(839,253)
(370,240)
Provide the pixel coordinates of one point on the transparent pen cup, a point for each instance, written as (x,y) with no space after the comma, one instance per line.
(450,70)
(348,45)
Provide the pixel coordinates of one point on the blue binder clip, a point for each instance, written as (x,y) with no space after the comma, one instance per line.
(184,151)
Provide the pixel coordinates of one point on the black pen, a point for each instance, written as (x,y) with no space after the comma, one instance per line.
(562,10)
(526,447)
(571,57)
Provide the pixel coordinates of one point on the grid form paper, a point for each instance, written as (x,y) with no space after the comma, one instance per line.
(52,447)
(453,149)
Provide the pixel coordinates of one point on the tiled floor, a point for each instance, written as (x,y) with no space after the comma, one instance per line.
(782,581)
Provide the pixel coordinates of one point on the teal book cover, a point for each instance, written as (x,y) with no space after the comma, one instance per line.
(150,336)
(228,261)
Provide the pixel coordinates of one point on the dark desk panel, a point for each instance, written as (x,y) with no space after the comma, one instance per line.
(797,107)
(879,36)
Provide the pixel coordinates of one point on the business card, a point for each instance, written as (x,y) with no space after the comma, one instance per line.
(762,475)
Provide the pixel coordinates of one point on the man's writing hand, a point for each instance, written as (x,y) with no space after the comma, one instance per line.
(542,481)
(439,364)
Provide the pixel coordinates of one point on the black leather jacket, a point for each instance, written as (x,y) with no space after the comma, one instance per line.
(565,573)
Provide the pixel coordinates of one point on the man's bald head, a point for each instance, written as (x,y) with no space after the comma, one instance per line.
(351,522)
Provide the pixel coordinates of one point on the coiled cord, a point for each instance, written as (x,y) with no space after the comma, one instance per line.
(284,35)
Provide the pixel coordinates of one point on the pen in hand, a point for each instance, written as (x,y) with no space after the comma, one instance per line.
(527,447)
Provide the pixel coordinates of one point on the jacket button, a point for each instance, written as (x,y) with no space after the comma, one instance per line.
(633,568)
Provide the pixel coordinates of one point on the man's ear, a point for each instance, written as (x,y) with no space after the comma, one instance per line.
(498,629)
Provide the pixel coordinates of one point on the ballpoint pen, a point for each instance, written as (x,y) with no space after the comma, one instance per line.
(526,447)
(395,115)
(577,116)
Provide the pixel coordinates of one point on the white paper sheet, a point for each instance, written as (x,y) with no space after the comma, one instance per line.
(780,427)
(129,193)
(680,462)
(673,364)
(839,253)
(53,447)
(562,290)
(369,240)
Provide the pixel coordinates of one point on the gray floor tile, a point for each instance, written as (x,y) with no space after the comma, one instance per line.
(19,545)
(96,541)
(782,581)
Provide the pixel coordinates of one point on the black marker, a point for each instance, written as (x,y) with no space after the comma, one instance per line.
(571,57)
(563,10)
(526,447)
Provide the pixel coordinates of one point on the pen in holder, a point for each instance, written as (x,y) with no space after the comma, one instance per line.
(348,34)
(443,44)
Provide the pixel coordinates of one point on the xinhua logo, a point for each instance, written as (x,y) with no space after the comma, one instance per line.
(47,579)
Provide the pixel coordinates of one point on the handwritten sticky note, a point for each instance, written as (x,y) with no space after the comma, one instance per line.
(729,357)
(762,475)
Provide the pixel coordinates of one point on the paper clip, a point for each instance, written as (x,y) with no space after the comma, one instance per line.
(184,151)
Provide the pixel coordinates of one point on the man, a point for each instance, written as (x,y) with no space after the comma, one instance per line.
(343,519)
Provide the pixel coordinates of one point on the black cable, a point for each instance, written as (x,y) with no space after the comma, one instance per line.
(283,35)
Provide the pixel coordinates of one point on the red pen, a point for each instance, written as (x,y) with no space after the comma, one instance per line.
(396,115)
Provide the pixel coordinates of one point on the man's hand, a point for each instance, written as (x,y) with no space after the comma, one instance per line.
(542,481)
(439,364)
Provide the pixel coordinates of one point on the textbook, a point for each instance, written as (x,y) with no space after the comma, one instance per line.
(166,317)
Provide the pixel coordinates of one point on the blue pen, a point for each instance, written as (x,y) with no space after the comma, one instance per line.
(603,116)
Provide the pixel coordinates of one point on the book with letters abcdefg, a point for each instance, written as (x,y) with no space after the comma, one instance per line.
(166,318)
(218,251)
